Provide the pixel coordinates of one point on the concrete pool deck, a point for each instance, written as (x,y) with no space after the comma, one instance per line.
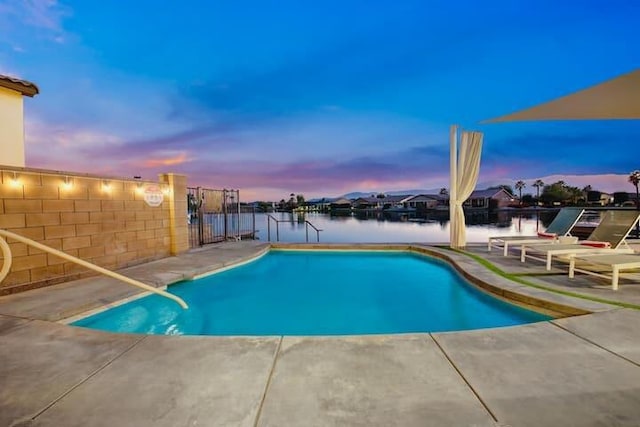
(574,371)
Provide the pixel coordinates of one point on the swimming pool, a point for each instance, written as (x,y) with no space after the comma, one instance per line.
(319,293)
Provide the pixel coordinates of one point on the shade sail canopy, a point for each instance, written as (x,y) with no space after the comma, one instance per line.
(618,98)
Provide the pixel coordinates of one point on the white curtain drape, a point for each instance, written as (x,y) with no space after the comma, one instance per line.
(465,164)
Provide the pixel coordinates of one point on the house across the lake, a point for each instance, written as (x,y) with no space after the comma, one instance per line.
(340,205)
(488,199)
(381,202)
(425,202)
(494,198)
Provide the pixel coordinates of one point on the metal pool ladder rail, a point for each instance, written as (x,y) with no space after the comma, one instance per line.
(6,253)
(307,224)
(306,229)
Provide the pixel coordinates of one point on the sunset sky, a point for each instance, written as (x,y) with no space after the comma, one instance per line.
(319,98)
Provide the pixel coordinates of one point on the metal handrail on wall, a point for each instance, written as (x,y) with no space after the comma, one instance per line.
(278,221)
(6,253)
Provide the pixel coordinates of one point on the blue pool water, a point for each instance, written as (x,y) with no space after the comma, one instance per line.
(318,293)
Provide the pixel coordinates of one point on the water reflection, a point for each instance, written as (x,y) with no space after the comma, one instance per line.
(369,227)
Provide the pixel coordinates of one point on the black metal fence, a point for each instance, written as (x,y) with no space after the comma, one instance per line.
(217,216)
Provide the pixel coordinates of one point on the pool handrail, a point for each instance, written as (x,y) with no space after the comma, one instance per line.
(306,229)
(278,221)
(6,253)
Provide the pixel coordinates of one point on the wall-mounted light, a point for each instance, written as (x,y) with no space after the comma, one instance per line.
(14,181)
(165,189)
(106,186)
(68,183)
(139,188)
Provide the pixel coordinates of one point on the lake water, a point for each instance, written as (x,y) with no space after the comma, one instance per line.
(395,228)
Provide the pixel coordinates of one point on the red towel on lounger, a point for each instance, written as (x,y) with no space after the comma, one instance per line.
(547,235)
(596,244)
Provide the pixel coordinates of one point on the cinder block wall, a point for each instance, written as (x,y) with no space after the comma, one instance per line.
(105,221)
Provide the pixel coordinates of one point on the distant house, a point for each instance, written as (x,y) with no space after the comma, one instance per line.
(380,203)
(340,204)
(631,200)
(623,198)
(426,201)
(493,198)
(364,203)
(606,199)
(319,204)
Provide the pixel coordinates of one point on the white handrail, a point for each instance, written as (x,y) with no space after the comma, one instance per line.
(6,252)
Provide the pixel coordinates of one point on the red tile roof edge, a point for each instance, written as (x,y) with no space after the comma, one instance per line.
(23,86)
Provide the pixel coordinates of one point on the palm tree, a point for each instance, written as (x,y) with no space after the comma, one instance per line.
(519,186)
(575,194)
(585,192)
(291,203)
(300,200)
(634,178)
(444,192)
(538,184)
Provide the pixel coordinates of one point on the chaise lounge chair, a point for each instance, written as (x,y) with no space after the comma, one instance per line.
(560,226)
(607,238)
(616,263)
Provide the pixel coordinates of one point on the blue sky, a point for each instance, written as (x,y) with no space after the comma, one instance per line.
(318,98)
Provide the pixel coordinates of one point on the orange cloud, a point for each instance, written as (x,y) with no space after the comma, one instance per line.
(169,161)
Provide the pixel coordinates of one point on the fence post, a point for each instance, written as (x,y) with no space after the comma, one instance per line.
(253,226)
(224,213)
(200,196)
(239,236)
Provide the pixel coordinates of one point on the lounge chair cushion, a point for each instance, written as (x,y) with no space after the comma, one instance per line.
(595,244)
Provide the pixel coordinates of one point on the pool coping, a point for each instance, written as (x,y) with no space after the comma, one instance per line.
(225,266)
(546,302)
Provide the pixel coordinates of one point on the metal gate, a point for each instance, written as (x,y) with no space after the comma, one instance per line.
(217,216)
